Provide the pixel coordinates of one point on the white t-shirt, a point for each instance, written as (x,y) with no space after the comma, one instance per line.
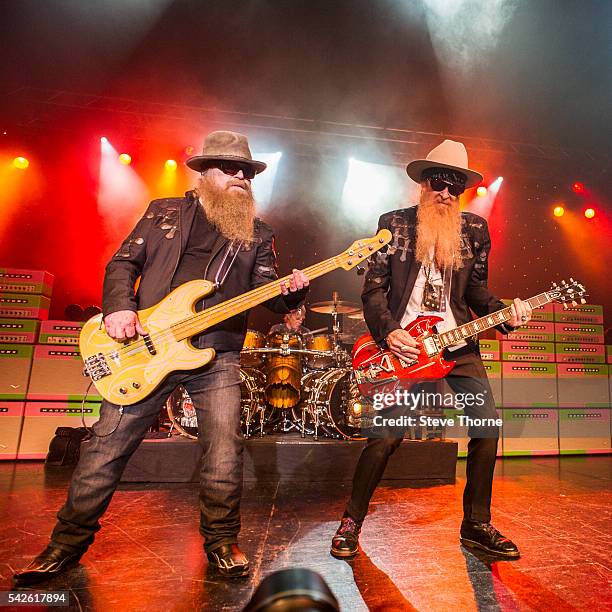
(414,310)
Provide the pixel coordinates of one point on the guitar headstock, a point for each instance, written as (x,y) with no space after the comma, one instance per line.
(361,249)
(568,293)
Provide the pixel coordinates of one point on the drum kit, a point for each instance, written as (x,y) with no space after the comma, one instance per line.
(291,381)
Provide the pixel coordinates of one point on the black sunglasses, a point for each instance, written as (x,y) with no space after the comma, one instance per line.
(439,185)
(233,168)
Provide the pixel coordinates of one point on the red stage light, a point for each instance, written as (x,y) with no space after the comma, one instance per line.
(125,159)
(170,164)
(481,191)
(558,211)
(589,213)
(21,163)
(189,150)
(578,187)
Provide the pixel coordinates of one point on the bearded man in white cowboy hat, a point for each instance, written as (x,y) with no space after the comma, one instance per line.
(436,264)
(210,233)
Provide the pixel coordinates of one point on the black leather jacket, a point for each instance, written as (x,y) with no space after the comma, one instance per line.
(152,251)
(391,275)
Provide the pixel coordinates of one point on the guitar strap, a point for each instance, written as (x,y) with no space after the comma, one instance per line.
(219,280)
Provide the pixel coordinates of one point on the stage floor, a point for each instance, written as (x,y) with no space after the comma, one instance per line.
(148,555)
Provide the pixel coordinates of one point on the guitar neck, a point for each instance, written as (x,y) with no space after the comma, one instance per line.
(476,326)
(225,310)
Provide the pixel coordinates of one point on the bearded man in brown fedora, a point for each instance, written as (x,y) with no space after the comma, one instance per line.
(437,264)
(210,233)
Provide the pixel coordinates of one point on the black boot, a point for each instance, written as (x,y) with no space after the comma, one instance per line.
(52,562)
(229,561)
(475,534)
(345,542)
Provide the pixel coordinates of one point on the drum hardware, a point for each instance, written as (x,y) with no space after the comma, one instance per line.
(315,331)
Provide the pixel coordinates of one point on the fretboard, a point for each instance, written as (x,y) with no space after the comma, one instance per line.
(220,312)
(477,326)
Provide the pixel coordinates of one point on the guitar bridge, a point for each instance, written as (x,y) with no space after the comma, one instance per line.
(96,367)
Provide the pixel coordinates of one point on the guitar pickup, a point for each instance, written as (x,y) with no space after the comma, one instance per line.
(149,344)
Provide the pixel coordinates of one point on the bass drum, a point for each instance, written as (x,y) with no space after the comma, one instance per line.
(334,406)
(253,415)
(283,372)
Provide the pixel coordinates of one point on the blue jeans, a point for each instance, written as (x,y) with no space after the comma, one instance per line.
(215,391)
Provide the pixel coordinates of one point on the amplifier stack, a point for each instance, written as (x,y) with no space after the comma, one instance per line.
(555,382)
(24,303)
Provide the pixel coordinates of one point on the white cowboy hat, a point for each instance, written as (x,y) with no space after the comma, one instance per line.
(449,154)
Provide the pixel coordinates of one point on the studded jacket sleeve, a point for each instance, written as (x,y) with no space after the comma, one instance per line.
(125,266)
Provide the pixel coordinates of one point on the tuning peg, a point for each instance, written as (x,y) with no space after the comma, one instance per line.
(582,301)
(554,285)
(571,280)
(574,303)
(565,306)
(360,270)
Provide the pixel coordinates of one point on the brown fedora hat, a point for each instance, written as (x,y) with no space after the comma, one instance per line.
(225,146)
(448,154)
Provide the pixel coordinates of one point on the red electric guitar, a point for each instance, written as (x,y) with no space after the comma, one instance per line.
(379,371)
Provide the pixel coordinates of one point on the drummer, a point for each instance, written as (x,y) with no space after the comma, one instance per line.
(292,323)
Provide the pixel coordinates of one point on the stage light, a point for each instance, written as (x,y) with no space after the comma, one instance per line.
(371,189)
(485,198)
(578,187)
(189,150)
(589,213)
(170,164)
(263,184)
(121,192)
(125,159)
(21,163)
(558,211)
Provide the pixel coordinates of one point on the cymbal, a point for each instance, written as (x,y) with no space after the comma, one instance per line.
(341,307)
(358,316)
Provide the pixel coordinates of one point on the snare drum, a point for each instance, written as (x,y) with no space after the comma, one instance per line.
(320,342)
(283,372)
(252,340)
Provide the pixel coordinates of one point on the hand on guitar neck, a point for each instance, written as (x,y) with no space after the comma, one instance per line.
(521,313)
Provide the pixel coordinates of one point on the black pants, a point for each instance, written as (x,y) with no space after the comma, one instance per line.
(468,376)
(215,392)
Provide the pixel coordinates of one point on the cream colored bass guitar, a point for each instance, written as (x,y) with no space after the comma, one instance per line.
(127,372)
